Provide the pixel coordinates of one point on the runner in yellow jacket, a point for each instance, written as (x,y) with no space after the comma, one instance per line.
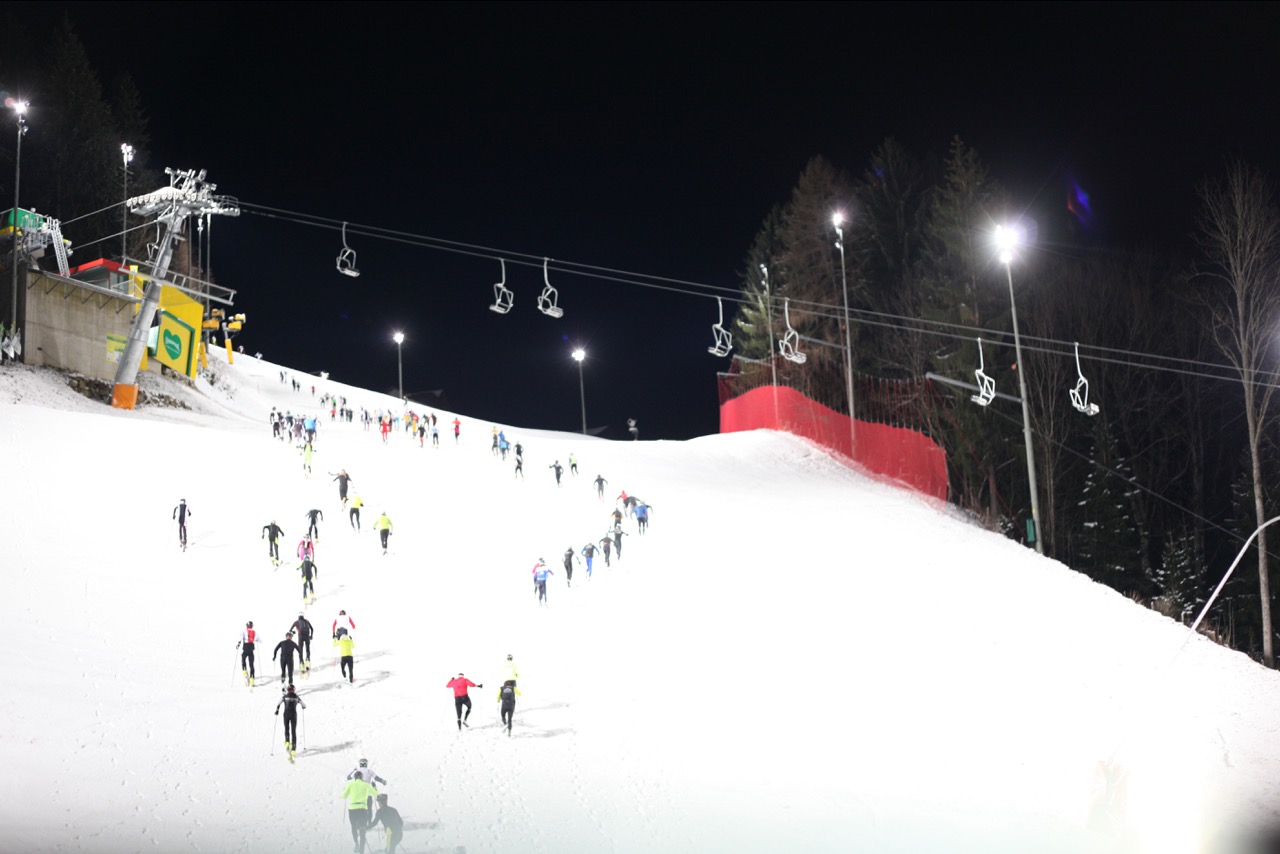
(383,527)
(346,648)
(358,795)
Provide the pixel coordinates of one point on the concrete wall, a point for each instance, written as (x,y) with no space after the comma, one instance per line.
(67,325)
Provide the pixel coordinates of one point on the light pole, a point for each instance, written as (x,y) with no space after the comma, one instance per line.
(126,151)
(399,339)
(1007,239)
(837,220)
(19,112)
(578,356)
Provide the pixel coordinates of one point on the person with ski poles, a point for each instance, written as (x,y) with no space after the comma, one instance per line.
(557,468)
(346,649)
(286,650)
(354,516)
(181,512)
(616,516)
(600,482)
(509,669)
(605,545)
(569,557)
(507,697)
(302,626)
(370,776)
(272,533)
(573,465)
(589,551)
(461,698)
(313,530)
(540,573)
(290,700)
(358,794)
(343,479)
(519,468)
(457,430)
(309,571)
(618,534)
(391,820)
(248,637)
(383,526)
(343,625)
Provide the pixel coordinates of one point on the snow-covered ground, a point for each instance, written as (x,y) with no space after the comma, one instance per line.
(793,658)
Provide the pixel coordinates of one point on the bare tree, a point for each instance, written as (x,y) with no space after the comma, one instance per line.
(1239,234)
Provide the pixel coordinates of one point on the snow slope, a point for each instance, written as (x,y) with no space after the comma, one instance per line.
(794,658)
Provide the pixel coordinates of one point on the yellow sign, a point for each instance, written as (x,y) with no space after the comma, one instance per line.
(115,347)
(175,340)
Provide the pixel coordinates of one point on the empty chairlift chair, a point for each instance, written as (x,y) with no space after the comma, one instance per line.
(723,338)
(789,344)
(547,299)
(986,385)
(502,297)
(347,257)
(1080,394)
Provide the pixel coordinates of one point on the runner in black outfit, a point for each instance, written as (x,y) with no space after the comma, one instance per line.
(302,626)
(290,701)
(313,530)
(343,479)
(286,649)
(180,513)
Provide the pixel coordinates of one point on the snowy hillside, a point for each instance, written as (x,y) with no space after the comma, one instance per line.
(793,658)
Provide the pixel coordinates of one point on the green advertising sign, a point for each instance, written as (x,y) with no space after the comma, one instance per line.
(175,344)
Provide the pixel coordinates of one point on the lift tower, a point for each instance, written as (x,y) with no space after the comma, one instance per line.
(187,194)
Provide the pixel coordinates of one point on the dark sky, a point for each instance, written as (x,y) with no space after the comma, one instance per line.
(651,138)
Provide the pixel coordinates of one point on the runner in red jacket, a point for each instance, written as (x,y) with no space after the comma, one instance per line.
(460,684)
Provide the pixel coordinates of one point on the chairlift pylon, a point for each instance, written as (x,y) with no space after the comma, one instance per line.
(723,338)
(347,257)
(789,344)
(1080,394)
(502,297)
(986,385)
(549,296)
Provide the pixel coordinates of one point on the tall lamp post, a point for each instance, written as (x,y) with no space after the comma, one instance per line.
(1007,240)
(399,339)
(126,152)
(838,220)
(578,356)
(19,112)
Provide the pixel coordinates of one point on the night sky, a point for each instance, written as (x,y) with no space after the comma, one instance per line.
(643,138)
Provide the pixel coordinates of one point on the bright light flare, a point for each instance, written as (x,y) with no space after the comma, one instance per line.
(398,338)
(19,107)
(579,354)
(1007,240)
(837,219)
(127,151)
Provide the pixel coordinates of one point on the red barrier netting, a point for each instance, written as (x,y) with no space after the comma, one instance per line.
(895,452)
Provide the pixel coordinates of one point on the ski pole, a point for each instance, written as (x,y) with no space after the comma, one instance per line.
(273,735)
(234,663)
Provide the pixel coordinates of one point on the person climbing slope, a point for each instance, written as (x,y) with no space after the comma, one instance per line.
(181,512)
(461,699)
(272,532)
(291,701)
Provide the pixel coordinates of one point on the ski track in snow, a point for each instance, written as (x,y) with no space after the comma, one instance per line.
(761,671)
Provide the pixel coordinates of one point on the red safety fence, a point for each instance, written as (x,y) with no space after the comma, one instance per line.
(897,453)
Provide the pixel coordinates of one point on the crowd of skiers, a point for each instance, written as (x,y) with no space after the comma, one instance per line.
(293,651)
